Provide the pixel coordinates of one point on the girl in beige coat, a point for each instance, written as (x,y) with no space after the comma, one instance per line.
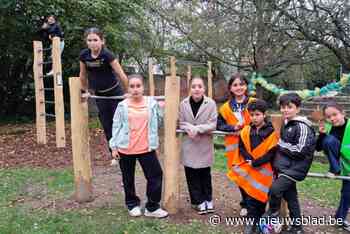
(197,118)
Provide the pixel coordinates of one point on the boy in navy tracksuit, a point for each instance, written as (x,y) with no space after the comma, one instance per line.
(293,159)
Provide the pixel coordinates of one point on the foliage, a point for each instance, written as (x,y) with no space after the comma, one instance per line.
(20,22)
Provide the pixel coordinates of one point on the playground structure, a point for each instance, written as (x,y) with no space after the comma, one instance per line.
(38,69)
(172,141)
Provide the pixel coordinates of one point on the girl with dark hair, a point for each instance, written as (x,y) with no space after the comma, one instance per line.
(334,140)
(233,116)
(101,73)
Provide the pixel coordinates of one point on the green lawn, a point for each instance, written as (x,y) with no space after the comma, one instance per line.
(17,217)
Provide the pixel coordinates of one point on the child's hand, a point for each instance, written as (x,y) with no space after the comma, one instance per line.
(85,96)
(249,162)
(321,127)
(161,104)
(191,134)
(115,154)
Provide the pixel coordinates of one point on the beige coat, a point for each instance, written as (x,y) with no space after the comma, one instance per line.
(198,152)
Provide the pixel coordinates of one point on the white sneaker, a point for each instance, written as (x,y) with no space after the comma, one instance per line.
(243,212)
(201,208)
(50,73)
(135,212)
(210,206)
(330,175)
(159,213)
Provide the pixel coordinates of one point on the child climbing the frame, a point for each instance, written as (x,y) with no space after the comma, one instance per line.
(253,174)
(292,162)
(198,116)
(135,138)
(334,141)
(101,73)
(233,116)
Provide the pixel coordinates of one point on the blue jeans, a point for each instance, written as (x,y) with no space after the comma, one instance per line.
(343,207)
(331,147)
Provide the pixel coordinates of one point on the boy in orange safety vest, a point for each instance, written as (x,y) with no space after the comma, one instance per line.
(257,147)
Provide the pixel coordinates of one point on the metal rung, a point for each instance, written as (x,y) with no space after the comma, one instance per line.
(43,63)
(121,97)
(44,76)
(50,102)
(49,89)
(51,115)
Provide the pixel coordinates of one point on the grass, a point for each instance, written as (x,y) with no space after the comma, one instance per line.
(15,217)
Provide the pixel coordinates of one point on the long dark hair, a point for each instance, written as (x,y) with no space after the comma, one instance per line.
(235,76)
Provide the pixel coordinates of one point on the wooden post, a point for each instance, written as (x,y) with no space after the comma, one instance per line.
(171,145)
(210,81)
(189,75)
(58,89)
(80,142)
(39,92)
(151,78)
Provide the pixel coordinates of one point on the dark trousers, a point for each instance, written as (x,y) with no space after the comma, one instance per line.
(199,184)
(244,196)
(106,109)
(343,207)
(153,173)
(255,208)
(285,188)
(331,147)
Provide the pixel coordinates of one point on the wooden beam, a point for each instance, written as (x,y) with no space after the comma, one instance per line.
(171,150)
(210,81)
(80,142)
(189,75)
(151,78)
(39,92)
(58,90)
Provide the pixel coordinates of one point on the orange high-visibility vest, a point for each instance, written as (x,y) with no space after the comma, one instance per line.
(231,141)
(256,181)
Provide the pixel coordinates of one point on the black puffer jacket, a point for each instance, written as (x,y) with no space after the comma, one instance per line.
(295,149)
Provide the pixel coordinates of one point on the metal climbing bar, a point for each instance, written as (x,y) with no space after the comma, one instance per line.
(121,97)
(325,176)
(221,133)
(49,102)
(50,115)
(44,63)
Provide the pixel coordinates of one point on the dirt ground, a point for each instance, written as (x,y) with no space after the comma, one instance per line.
(18,148)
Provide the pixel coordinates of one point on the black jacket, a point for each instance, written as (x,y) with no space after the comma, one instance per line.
(256,138)
(295,149)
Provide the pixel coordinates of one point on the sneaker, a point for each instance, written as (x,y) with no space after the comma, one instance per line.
(346,226)
(243,212)
(135,212)
(201,208)
(159,213)
(294,230)
(50,73)
(210,206)
(330,175)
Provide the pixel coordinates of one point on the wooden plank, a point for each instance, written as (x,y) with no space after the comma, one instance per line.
(80,143)
(210,81)
(58,90)
(171,145)
(39,92)
(151,78)
(189,75)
